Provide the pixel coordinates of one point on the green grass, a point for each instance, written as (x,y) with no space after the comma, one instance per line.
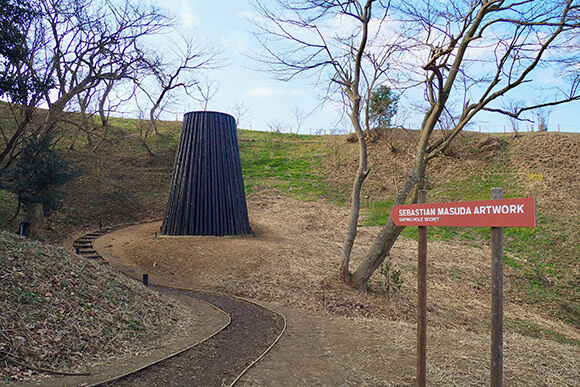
(542,275)
(535,330)
(545,252)
(30,297)
(286,162)
(376,213)
(8,207)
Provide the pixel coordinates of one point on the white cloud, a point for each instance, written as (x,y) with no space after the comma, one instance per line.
(250,15)
(260,92)
(237,42)
(548,77)
(189,19)
(301,93)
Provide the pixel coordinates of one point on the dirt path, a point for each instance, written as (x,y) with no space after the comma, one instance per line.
(219,360)
(336,336)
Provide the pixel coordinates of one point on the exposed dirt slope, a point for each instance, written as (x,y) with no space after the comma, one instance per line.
(291,264)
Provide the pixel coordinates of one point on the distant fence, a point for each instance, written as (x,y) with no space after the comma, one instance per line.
(524,127)
(490,129)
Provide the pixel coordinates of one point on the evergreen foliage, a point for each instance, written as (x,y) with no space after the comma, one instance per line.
(14,14)
(15,82)
(382,107)
(37,173)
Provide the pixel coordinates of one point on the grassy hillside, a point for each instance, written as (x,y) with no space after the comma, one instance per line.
(540,165)
(121,183)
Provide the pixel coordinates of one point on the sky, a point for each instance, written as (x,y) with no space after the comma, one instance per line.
(273,104)
(269,103)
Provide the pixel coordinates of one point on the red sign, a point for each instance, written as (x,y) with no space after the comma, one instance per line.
(520,212)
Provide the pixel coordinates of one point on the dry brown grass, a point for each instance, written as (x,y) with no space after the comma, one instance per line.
(62,312)
(292,262)
(338,335)
(326,350)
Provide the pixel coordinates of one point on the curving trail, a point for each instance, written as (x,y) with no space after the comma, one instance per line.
(219,360)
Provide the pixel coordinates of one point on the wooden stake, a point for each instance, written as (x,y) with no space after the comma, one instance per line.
(422,301)
(496,299)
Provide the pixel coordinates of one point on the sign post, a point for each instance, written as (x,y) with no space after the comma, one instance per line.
(496,299)
(422,301)
(497,214)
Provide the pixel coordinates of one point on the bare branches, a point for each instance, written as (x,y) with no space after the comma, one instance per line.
(180,67)
(518,112)
(508,41)
(303,38)
(338,41)
(480,51)
(92,41)
(76,53)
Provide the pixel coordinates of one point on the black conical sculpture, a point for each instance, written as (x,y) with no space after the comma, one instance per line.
(207,189)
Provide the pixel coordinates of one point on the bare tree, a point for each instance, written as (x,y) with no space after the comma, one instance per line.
(339,56)
(206,91)
(513,106)
(542,118)
(276,126)
(92,42)
(86,123)
(300,115)
(79,46)
(510,39)
(72,47)
(481,51)
(181,68)
(111,95)
(240,111)
(144,127)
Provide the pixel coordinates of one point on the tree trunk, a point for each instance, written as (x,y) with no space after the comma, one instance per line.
(35,218)
(352,89)
(376,255)
(8,151)
(154,109)
(361,175)
(102,113)
(390,232)
(388,235)
(153,120)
